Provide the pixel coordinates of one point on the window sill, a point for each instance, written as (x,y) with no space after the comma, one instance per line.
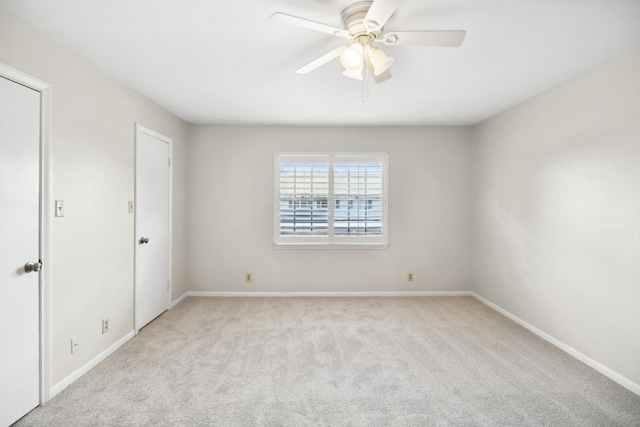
(332,246)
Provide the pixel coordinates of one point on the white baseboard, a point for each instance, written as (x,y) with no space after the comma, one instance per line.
(89,365)
(329,294)
(623,381)
(177,300)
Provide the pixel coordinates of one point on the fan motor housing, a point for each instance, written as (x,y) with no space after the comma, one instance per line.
(353,19)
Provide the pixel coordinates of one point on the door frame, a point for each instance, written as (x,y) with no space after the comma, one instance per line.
(45,220)
(140,129)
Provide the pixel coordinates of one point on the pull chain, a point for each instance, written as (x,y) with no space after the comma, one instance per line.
(365,83)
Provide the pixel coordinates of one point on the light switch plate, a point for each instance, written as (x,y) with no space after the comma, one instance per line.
(59,208)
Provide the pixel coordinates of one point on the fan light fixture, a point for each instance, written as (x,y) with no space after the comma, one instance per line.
(354,74)
(353,59)
(379,61)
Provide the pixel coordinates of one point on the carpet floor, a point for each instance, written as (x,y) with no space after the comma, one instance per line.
(424,361)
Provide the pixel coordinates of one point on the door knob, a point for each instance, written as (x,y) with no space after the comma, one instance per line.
(143,240)
(32,267)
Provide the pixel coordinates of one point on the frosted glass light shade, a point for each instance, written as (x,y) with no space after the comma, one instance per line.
(354,74)
(351,58)
(380,61)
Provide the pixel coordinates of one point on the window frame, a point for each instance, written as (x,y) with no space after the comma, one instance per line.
(331,241)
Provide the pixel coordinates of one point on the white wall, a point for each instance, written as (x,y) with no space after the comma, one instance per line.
(92,170)
(230,211)
(556,213)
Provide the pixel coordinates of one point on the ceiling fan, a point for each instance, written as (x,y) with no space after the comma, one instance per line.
(363,28)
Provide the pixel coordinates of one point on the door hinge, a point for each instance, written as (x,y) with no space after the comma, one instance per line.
(168,162)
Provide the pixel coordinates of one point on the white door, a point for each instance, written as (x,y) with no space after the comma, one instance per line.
(19,244)
(152,226)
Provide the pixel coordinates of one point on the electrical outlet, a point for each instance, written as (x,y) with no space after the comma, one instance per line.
(75,344)
(105,326)
(248,277)
(410,277)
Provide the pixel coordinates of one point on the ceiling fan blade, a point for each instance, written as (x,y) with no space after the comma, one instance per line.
(379,13)
(310,25)
(423,38)
(320,61)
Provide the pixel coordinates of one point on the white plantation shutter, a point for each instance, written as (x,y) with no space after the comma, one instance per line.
(331,200)
(358,193)
(304,194)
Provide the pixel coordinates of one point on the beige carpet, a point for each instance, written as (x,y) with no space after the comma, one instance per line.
(338,362)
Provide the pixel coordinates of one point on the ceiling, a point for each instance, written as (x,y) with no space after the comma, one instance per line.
(210,61)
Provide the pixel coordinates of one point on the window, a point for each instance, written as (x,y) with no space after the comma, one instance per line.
(331,200)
